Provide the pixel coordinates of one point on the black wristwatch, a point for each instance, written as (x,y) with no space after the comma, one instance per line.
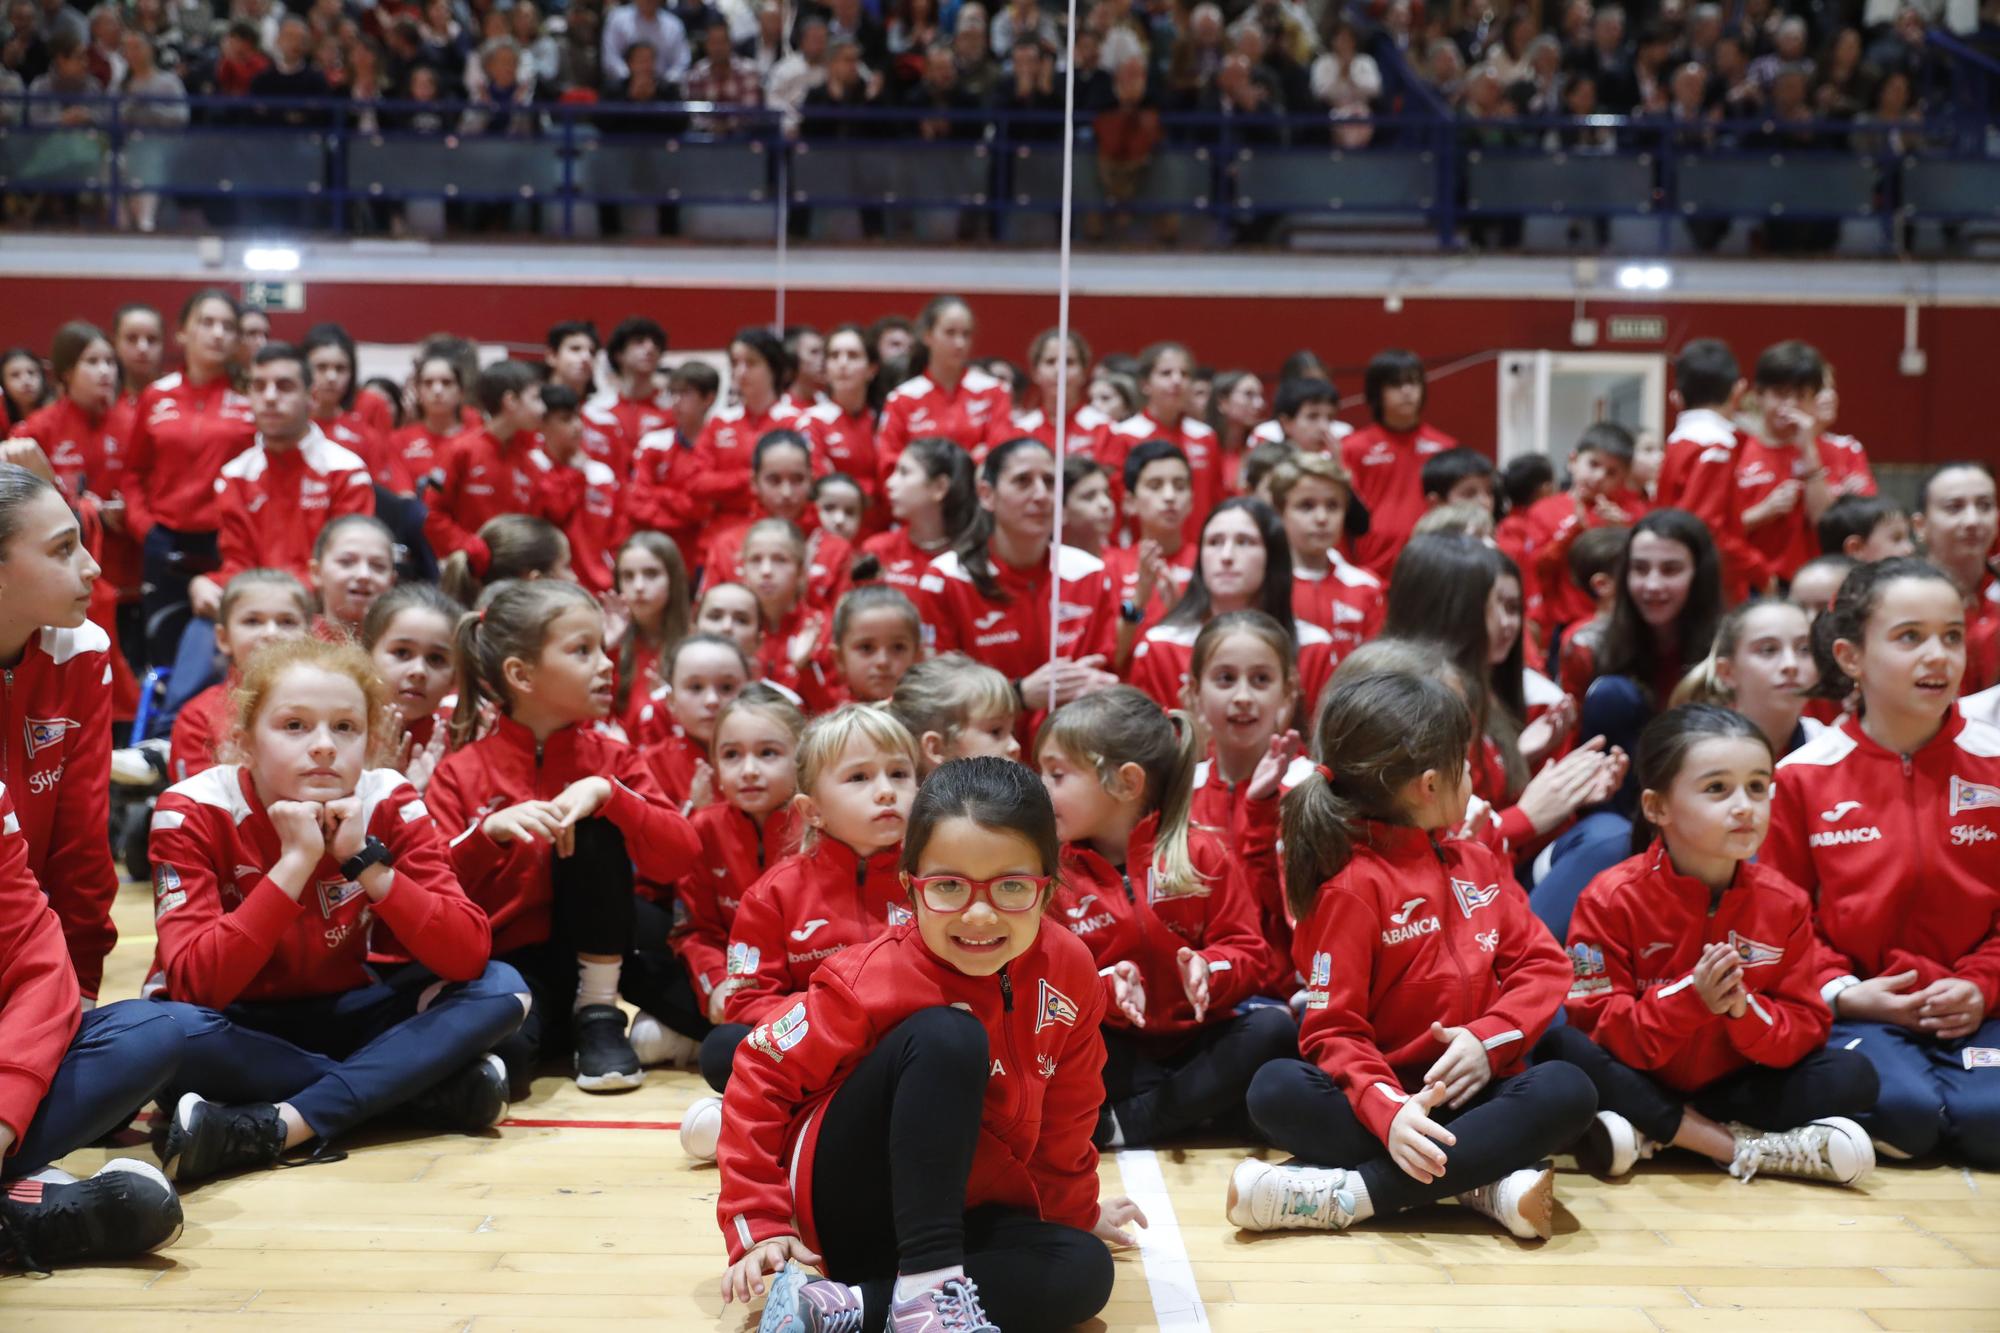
(372,853)
(1129,612)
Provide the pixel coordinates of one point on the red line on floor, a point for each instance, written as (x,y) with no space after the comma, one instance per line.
(511,1123)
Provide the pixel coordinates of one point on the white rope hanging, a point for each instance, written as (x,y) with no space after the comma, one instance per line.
(1061,405)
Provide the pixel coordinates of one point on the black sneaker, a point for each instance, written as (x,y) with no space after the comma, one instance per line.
(126,1209)
(473,1099)
(605,1060)
(205,1139)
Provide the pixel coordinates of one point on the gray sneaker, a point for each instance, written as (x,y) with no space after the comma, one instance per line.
(949,1307)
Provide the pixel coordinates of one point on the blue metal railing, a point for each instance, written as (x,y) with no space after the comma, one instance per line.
(337,165)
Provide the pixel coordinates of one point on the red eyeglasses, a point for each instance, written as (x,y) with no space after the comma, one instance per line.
(1005,893)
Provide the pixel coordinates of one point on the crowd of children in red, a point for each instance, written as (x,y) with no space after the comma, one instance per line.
(1314,786)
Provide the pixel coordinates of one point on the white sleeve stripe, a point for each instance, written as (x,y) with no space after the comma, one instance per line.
(1680,985)
(463,836)
(1222,966)
(1503,1038)
(165,819)
(743,1231)
(1760,1011)
(1396,1095)
(1836,986)
(12,824)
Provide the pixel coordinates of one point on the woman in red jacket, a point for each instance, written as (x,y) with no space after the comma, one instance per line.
(1694,1008)
(932,496)
(960,1049)
(946,394)
(760,370)
(842,425)
(1166,377)
(266,878)
(548,816)
(1428,981)
(1891,821)
(55,710)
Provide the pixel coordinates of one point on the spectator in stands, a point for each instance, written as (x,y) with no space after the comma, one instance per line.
(1704,30)
(68,77)
(25,52)
(724,78)
(1444,69)
(367,85)
(1539,92)
(1196,56)
(1027,18)
(1093,85)
(499,105)
(1249,104)
(583,46)
(1790,52)
(1127,134)
(848,19)
(940,91)
(913,29)
(106,50)
(643,85)
(1652,71)
(1688,106)
(445,38)
(1119,35)
(291,74)
(848,86)
(161,104)
(1031,87)
(1845,87)
(1346,81)
(1288,31)
(425,87)
(801,71)
(766,46)
(1508,57)
(1608,62)
(541,53)
(644,21)
(1895,124)
(1731,88)
(978,73)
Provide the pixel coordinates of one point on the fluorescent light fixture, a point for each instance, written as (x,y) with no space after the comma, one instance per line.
(271,259)
(1645,277)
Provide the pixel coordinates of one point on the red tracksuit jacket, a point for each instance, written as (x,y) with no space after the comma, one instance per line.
(55,757)
(1034,1151)
(1412,932)
(198,728)
(480,479)
(1704,454)
(1901,853)
(1387,467)
(87,454)
(227,933)
(735,853)
(1163,657)
(721,474)
(1639,929)
(633,419)
(272,504)
(352,432)
(920,406)
(806,909)
(182,434)
(1555,526)
(844,442)
(662,495)
(1088,431)
(505,767)
(583,498)
(1347,602)
(1119,913)
(1249,829)
(903,561)
(1194,437)
(38,989)
(670,753)
(604,438)
(1012,636)
(414,451)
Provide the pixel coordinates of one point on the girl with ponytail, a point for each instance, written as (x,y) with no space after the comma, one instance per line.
(512,546)
(1168,914)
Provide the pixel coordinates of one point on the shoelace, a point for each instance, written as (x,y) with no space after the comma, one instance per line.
(846,1321)
(959,1311)
(1796,1152)
(1303,1199)
(14,1246)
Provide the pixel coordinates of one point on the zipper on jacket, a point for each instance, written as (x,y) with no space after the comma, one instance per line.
(1006,991)
(1126,877)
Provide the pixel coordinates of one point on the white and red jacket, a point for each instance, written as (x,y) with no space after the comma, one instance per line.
(1410,933)
(511,881)
(583,498)
(38,1009)
(1636,935)
(1194,438)
(1034,1150)
(1165,654)
(1121,566)
(844,442)
(662,494)
(1901,853)
(829,560)
(415,451)
(670,753)
(921,406)
(1122,914)
(182,434)
(1704,454)
(1554,525)
(199,728)
(272,504)
(1346,601)
(1088,429)
(352,432)
(227,933)
(1388,471)
(735,853)
(479,478)
(1249,829)
(626,420)
(55,757)
(603,436)
(87,452)
(1012,636)
(903,561)
(806,909)
(721,475)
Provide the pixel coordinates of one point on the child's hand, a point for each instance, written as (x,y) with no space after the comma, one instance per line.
(799,650)
(1540,737)
(1717,973)
(1463,1069)
(745,1277)
(1414,1137)
(578,801)
(423,760)
(341,823)
(1885,999)
(1610,512)
(530,821)
(701,791)
(1194,979)
(1270,770)
(1128,992)
(1478,814)
(300,833)
(1112,1216)
(718,999)
(617,620)
(1950,1007)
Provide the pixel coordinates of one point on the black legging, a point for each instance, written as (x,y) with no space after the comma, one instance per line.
(1514,1123)
(718,1053)
(889,1172)
(1159,1090)
(655,979)
(1826,1082)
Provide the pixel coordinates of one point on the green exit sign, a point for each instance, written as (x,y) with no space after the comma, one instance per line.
(266,295)
(1638,328)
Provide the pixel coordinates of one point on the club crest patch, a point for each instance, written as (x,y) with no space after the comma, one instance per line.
(1964,795)
(44,733)
(1054,1007)
(1753,953)
(1471,897)
(335,894)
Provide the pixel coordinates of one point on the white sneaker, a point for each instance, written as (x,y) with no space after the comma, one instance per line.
(1522,1201)
(656,1044)
(1834,1149)
(1613,1145)
(1264,1196)
(701,1129)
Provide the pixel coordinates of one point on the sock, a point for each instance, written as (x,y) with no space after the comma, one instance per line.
(909,1285)
(1364,1207)
(597,983)
(1115,1136)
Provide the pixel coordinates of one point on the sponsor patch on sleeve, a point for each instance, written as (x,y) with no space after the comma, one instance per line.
(743,960)
(167,891)
(1980,1057)
(412,811)
(1587,964)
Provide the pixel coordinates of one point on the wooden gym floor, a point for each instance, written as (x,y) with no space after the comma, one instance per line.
(544,1226)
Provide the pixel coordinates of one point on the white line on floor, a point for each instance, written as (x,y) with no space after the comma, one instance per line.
(1169,1276)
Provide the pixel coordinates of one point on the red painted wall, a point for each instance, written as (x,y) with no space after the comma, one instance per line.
(1946,413)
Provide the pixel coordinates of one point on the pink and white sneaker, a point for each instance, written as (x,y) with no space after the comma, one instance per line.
(950,1307)
(802,1304)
